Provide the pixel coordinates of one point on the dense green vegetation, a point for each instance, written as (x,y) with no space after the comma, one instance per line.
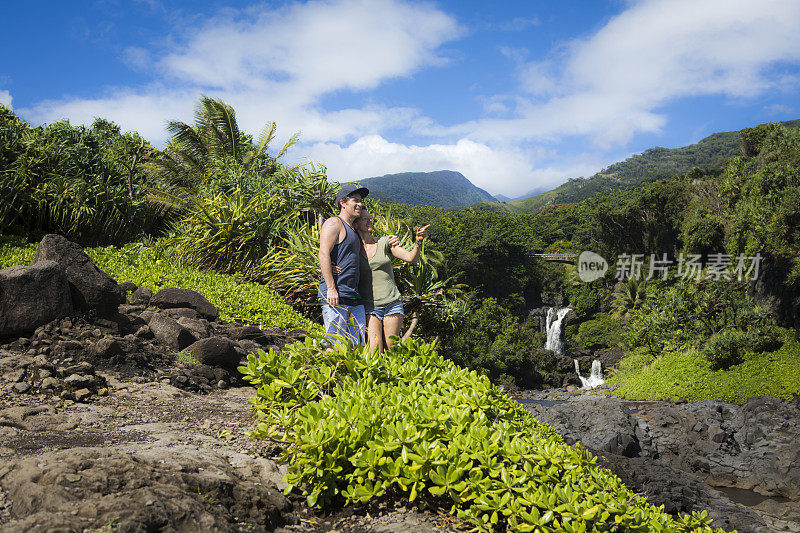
(361,425)
(749,206)
(85,183)
(655,163)
(678,373)
(443,188)
(148,266)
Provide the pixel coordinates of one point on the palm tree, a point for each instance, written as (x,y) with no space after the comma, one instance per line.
(214,151)
(232,202)
(315,191)
(630,297)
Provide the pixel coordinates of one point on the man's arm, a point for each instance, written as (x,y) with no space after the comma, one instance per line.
(328,237)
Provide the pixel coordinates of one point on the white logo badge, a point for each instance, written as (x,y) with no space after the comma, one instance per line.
(591,266)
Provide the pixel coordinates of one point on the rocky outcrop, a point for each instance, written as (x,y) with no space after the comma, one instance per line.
(90,287)
(32,296)
(172,297)
(680,454)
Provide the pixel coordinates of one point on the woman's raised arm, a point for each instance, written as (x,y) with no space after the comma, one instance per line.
(409,256)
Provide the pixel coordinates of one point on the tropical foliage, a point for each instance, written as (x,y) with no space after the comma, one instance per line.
(148,265)
(81,182)
(232,202)
(360,425)
(680,373)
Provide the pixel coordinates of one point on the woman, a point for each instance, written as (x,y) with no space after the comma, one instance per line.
(382,300)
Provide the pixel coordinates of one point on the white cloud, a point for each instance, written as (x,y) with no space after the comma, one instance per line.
(315,47)
(146,111)
(778,109)
(614,83)
(5,99)
(498,170)
(275,65)
(279,64)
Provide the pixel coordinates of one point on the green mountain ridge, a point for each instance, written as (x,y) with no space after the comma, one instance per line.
(654,163)
(442,188)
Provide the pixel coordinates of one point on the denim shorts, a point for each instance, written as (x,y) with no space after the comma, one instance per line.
(348,321)
(394,308)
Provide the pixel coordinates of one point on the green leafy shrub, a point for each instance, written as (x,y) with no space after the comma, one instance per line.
(148,266)
(687,313)
(73,180)
(492,341)
(725,348)
(359,425)
(15,251)
(603,331)
(585,298)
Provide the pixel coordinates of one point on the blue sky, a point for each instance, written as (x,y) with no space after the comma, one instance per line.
(515,95)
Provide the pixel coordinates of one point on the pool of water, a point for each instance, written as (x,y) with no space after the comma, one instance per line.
(749,498)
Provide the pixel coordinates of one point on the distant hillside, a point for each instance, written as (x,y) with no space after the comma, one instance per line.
(443,188)
(656,163)
(532,192)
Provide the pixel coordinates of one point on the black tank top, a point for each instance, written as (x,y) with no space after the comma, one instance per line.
(345,254)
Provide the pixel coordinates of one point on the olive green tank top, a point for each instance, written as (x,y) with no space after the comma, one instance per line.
(376,284)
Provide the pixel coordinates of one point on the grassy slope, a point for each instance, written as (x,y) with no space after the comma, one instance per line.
(244,302)
(687,374)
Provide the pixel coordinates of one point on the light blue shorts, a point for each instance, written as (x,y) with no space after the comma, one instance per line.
(349,321)
(394,308)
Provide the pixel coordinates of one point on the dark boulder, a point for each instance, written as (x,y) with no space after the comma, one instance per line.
(199,328)
(90,287)
(181,312)
(127,287)
(106,348)
(141,296)
(167,331)
(32,296)
(216,351)
(172,297)
(249,346)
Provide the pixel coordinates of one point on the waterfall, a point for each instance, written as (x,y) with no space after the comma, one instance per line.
(554,319)
(595,379)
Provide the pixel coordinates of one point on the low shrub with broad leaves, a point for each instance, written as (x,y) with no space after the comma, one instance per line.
(360,425)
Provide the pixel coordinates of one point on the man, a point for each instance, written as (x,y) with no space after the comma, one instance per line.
(340,245)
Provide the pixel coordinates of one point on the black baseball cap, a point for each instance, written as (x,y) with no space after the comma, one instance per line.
(349,189)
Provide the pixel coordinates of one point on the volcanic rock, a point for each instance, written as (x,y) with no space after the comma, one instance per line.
(32,296)
(167,331)
(173,297)
(216,351)
(141,295)
(90,287)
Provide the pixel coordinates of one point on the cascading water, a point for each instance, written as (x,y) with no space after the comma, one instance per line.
(554,318)
(595,379)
